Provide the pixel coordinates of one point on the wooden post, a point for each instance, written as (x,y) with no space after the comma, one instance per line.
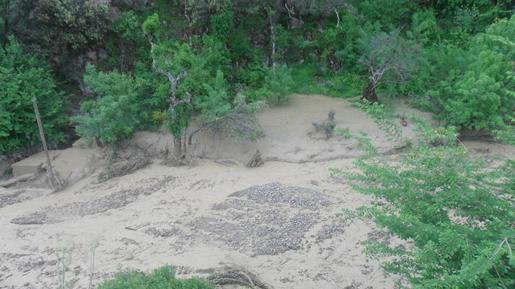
(52,178)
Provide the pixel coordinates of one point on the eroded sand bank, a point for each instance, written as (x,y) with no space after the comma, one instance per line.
(278,221)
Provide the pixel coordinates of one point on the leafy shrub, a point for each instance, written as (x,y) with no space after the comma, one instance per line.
(215,103)
(479,97)
(85,23)
(128,45)
(472,88)
(506,134)
(279,82)
(424,27)
(63,29)
(277,86)
(343,85)
(252,76)
(383,117)
(387,57)
(162,278)
(158,117)
(457,212)
(117,111)
(386,14)
(24,77)
(335,46)
(214,56)
(307,81)
(240,122)
(234,120)
(222,25)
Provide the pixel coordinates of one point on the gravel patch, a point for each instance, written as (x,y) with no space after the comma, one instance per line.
(79,209)
(160,232)
(122,198)
(328,231)
(13,196)
(276,193)
(264,220)
(10,197)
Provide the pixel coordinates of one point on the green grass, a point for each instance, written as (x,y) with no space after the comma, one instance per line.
(308,81)
(162,278)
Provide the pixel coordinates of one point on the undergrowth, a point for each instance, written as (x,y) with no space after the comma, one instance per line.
(308,81)
(162,278)
(456,210)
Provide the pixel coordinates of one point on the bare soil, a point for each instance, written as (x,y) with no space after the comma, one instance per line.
(277,221)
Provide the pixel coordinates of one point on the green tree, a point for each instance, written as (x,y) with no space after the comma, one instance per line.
(126,44)
(194,84)
(386,55)
(236,120)
(23,77)
(117,110)
(173,60)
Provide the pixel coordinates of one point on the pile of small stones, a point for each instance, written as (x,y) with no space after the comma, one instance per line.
(267,219)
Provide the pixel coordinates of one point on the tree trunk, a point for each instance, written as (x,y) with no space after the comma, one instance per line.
(178,148)
(272,38)
(52,178)
(369,93)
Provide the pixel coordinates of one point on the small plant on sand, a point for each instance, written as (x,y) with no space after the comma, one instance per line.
(64,259)
(457,212)
(343,132)
(162,278)
(383,117)
(327,127)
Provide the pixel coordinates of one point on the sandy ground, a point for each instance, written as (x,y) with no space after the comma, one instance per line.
(278,221)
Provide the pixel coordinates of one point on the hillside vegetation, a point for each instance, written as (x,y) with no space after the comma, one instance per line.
(105,70)
(131,65)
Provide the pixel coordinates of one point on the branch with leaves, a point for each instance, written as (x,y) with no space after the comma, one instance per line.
(386,54)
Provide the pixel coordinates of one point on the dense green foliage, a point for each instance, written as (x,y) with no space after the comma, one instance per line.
(24,77)
(454,58)
(65,30)
(130,65)
(475,85)
(162,278)
(457,212)
(117,110)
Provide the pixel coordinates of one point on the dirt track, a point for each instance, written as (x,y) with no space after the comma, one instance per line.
(277,221)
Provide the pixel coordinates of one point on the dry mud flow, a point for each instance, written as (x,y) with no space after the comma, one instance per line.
(278,221)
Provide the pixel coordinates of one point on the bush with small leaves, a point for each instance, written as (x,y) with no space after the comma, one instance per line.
(457,212)
(277,85)
(116,113)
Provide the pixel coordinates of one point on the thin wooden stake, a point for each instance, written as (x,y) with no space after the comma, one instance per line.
(54,182)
